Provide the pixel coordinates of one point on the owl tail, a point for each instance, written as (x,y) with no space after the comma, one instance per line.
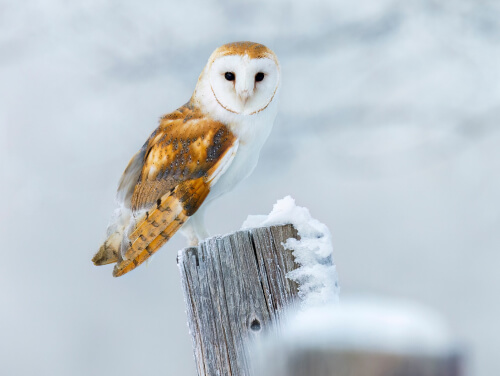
(109,252)
(132,239)
(160,223)
(139,257)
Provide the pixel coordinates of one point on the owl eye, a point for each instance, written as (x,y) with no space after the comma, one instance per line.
(229,76)
(259,76)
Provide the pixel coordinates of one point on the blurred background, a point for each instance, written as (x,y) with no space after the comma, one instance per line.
(387,131)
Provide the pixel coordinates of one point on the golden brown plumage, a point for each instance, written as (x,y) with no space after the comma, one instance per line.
(185,146)
(176,167)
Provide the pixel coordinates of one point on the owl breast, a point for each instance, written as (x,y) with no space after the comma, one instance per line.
(252,134)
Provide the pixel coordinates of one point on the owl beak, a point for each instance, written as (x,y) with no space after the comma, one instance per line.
(244,95)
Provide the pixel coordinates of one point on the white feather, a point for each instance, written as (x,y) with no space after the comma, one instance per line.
(251,121)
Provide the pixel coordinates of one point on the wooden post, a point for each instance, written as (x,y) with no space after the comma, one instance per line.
(337,362)
(234,287)
(361,338)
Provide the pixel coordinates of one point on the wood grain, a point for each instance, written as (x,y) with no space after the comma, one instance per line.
(234,288)
(295,360)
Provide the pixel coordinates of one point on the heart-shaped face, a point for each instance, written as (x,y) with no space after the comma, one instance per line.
(244,79)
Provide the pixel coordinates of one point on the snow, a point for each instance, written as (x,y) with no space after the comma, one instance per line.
(357,325)
(372,324)
(317,275)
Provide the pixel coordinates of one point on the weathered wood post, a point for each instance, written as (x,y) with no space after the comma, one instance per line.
(362,339)
(337,362)
(234,287)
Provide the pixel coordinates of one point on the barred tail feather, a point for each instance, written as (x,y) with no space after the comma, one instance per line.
(130,243)
(138,257)
(108,252)
(158,226)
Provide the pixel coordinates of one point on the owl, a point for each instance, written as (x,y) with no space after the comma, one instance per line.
(197,153)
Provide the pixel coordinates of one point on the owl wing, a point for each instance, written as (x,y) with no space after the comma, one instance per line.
(170,177)
(184,147)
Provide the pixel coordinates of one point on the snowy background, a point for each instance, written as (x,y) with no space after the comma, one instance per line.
(388,132)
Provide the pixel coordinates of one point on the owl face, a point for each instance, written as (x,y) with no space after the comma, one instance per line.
(244,81)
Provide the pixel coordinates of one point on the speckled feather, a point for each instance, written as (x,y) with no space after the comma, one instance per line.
(179,161)
(184,147)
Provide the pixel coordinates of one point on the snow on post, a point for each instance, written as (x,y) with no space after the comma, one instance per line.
(362,337)
(317,274)
(239,285)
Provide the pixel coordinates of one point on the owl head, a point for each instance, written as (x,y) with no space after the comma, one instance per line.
(240,78)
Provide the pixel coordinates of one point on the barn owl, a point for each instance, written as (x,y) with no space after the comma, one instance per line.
(197,153)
